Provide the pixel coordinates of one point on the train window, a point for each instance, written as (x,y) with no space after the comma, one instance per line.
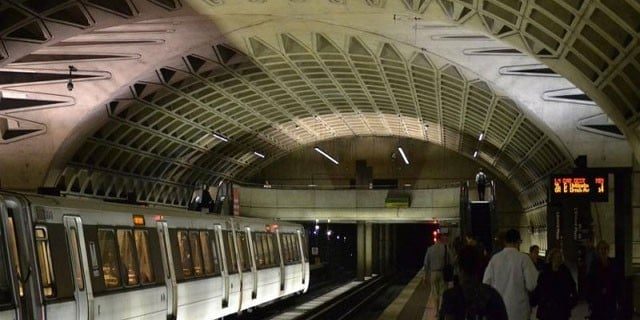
(268,259)
(13,251)
(295,247)
(283,248)
(292,251)
(146,266)
(44,260)
(257,244)
(286,248)
(207,255)
(128,256)
(230,251)
(196,253)
(74,251)
(243,248)
(5,284)
(215,252)
(305,246)
(109,257)
(185,254)
(272,252)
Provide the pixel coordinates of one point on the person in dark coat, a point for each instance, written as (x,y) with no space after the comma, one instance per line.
(601,285)
(556,290)
(470,298)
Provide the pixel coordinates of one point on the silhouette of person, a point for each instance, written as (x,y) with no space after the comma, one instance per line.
(481,181)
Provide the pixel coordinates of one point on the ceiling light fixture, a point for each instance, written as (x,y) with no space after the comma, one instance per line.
(258,154)
(220,137)
(481,136)
(475,154)
(404,157)
(326,155)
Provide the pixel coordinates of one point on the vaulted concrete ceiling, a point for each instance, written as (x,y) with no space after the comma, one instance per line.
(273,76)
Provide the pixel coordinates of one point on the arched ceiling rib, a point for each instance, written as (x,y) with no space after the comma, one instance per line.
(281,98)
(592,43)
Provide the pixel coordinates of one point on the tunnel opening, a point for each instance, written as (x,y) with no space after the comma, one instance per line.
(332,249)
(412,241)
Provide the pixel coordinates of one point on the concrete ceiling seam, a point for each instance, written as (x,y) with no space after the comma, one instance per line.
(294,71)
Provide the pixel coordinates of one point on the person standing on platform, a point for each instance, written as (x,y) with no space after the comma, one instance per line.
(470,298)
(534,254)
(434,262)
(601,285)
(512,273)
(556,291)
(481,181)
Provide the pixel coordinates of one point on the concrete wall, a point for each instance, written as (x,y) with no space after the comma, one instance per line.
(430,166)
(348,205)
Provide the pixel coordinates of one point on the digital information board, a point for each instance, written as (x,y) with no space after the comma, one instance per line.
(580,187)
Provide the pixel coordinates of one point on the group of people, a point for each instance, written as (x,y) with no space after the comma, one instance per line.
(510,283)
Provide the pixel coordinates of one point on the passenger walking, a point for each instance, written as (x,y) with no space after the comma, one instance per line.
(534,254)
(470,298)
(601,285)
(435,259)
(481,182)
(556,291)
(513,274)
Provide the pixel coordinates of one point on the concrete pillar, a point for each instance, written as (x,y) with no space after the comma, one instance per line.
(388,258)
(635,204)
(381,253)
(360,251)
(394,247)
(624,239)
(368,243)
(375,256)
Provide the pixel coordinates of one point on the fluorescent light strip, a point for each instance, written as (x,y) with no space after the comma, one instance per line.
(475,154)
(220,137)
(481,136)
(326,155)
(404,157)
(258,154)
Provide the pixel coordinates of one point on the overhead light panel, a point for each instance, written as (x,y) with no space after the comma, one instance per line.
(481,136)
(475,154)
(326,155)
(220,137)
(258,154)
(404,156)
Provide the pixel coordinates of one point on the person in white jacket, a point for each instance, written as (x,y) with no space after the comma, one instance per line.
(513,275)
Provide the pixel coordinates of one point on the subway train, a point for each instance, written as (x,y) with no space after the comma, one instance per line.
(63,258)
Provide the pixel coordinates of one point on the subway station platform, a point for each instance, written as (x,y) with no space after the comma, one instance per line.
(414,303)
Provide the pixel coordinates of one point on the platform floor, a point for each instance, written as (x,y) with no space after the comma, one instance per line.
(413,303)
(305,307)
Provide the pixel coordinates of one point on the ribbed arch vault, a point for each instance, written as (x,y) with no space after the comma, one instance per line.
(278,97)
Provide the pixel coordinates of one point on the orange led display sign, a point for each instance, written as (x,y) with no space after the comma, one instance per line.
(138,220)
(583,187)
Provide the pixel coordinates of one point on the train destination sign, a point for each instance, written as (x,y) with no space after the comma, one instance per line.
(581,187)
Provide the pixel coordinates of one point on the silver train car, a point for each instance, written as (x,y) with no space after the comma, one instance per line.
(64,258)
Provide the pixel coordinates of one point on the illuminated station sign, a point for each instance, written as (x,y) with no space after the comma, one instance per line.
(579,187)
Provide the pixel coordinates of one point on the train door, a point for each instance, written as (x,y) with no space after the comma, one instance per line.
(252,260)
(281,259)
(302,262)
(10,299)
(83,293)
(169,271)
(224,270)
